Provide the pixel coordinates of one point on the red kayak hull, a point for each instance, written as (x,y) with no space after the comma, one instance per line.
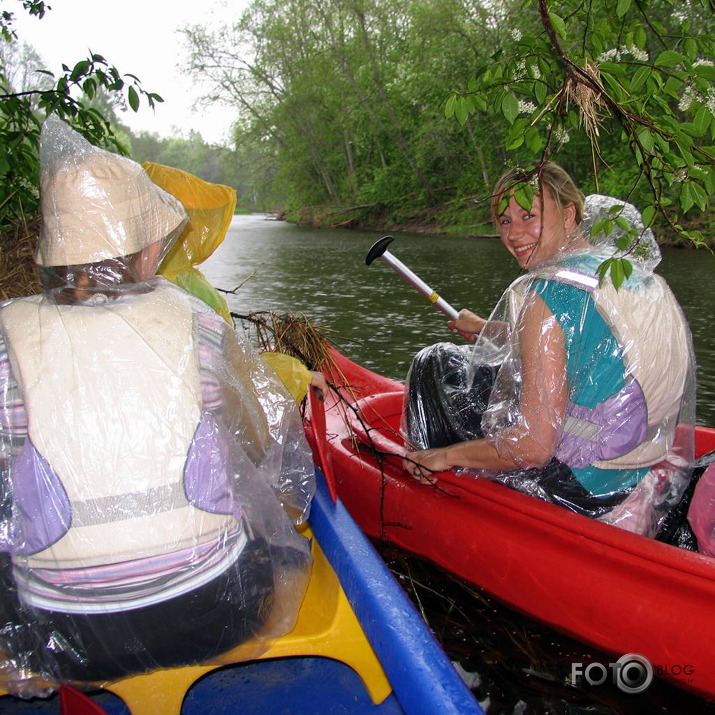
(619,592)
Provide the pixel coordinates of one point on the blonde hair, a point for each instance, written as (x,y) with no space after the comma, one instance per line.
(561,186)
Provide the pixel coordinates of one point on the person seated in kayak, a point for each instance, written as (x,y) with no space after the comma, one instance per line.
(576,391)
(149,498)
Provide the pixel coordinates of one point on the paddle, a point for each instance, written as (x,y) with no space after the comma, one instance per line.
(379,250)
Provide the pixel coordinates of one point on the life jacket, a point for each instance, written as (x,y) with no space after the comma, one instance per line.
(113,398)
(636,427)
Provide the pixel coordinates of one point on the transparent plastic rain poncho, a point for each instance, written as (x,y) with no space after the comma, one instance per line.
(152,465)
(616,419)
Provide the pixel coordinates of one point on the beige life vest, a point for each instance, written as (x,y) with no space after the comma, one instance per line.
(113,398)
(652,331)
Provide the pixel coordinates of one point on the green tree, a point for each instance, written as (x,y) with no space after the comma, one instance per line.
(70,96)
(342,102)
(637,82)
(345,97)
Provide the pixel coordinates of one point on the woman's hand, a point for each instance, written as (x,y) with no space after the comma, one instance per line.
(468,324)
(423,464)
(318,381)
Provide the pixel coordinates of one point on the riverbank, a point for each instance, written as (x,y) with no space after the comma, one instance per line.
(369,218)
(466,224)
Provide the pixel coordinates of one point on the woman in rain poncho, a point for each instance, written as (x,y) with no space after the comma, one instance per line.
(575,392)
(152,465)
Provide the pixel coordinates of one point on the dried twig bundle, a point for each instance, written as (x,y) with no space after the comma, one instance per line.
(289,333)
(587,96)
(18,274)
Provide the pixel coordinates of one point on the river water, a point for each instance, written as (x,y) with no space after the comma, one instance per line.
(518,666)
(378,320)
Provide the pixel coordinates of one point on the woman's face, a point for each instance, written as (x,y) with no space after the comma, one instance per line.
(536,235)
(147,261)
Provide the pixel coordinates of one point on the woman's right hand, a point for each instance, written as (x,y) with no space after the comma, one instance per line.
(468,324)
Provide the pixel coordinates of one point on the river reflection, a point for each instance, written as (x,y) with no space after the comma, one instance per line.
(376,319)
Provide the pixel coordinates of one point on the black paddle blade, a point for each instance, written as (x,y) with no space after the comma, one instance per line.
(378,248)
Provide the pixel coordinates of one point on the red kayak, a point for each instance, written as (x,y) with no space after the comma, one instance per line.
(616,591)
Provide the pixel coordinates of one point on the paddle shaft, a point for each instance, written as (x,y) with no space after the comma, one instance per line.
(379,251)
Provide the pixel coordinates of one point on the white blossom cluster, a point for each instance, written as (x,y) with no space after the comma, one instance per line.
(615,54)
(562,135)
(691,94)
(710,100)
(637,54)
(526,107)
(521,71)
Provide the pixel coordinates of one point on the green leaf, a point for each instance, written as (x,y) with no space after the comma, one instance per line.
(479,100)
(646,139)
(686,198)
(648,215)
(699,196)
(614,88)
(613,68)
(640,78)
(617,273)
(88,87)
(668,58)
(603,269)
(539,92)
(461,110)
(691,48)
(622,7)
(503,203)
(133,98)
(627,268)
(80,69)
(705,71)
(623,224)
(558,24)
(534,140)
(510,107)
(449,107)
(515,138)
(702,120)
(524,195)
(623,243)
(640,38)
